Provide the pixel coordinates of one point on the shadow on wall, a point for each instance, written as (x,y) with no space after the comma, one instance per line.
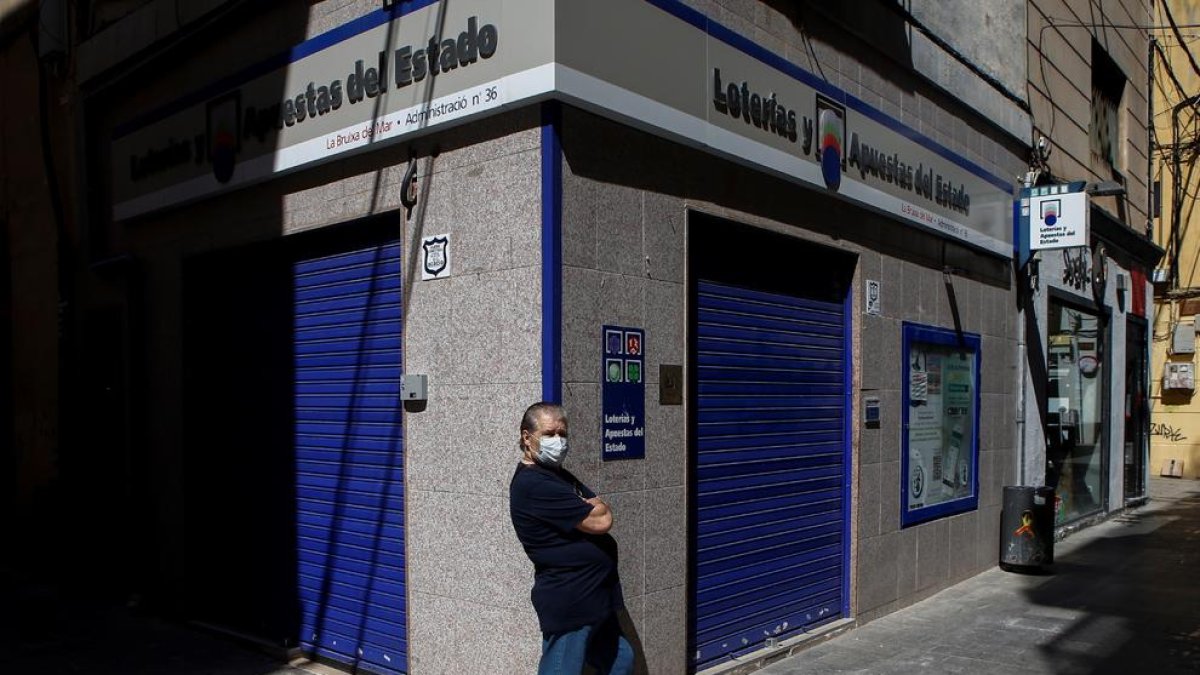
(1148,621)
(827,20)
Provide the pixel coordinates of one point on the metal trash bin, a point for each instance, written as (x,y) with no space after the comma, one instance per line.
(1027,528)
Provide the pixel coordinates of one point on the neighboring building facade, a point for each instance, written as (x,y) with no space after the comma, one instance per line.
(37,213)
(762,252)
(1175,429)
(1085,307)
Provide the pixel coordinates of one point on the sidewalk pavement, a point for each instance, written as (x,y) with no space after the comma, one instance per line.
(1124,597)
(45,631)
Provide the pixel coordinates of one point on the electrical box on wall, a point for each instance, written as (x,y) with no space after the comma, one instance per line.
(1179,376)
(1183,338)
(414,387)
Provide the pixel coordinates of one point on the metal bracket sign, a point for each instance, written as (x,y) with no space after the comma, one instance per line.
(623,393)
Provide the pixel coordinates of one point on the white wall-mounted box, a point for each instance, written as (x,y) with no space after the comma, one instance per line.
(1179,376)
(1183,338)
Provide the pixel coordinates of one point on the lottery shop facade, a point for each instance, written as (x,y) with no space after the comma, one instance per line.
(807,429)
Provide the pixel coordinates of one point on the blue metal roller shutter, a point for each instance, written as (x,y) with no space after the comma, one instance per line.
(770,467)
(349,459)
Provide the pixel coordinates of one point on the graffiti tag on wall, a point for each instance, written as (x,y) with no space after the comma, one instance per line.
(1167,431)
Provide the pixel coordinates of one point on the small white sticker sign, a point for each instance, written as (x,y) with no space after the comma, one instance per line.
(435,257)
(874,297)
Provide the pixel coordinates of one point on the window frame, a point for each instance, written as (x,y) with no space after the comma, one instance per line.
(918,334)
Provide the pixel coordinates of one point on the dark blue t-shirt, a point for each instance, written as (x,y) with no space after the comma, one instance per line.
(575,574)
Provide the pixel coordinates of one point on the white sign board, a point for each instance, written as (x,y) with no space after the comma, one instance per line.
(874,298)
(435,257)
(1057,218)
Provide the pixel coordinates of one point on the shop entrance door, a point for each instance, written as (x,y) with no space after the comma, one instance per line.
(1137,411)
(295,462)
(770,442)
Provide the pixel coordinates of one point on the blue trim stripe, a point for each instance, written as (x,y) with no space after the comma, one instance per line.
(847,440)
(773,60)
(551,253)
(304,49)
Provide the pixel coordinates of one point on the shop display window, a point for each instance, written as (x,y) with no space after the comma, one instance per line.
(1075,403)
(941,423)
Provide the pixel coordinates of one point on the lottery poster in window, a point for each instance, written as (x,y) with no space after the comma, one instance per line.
(940,422)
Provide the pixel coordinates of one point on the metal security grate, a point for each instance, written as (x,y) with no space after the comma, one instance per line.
(770,467)
(349,460)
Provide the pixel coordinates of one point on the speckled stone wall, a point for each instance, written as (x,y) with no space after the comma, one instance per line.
(623,253)
(626,196)
(626,200)
(475,334)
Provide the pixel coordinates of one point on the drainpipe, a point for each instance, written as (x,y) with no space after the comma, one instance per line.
(1150,191)
(1022,357)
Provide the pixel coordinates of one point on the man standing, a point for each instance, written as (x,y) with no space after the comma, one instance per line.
(564,528)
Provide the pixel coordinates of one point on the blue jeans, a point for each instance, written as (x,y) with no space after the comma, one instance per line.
(602,646)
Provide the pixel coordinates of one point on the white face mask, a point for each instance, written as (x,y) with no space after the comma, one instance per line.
(552,450)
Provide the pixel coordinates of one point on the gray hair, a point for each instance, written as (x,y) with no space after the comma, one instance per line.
(530,421)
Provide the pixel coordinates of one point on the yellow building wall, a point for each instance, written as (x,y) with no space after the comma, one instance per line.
(1175,414)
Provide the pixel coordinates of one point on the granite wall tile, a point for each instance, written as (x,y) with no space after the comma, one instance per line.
(877,571)
(989,480)
(489,324)
(889,361)
(933,294)
(632,620)
(629,529)
(581,401)
(933,554)
(491,138)
(868,441)
(869,498)
(906,562)
(911,292)
(988,531)
(495,228)
(665,334)
(666,538)
(619,246)
(481,422)
(622,475)
(449,544)
(580,206)
(581,325)
(889,496)
(663,220)
(664,633)
(426,347)
(666,450)
(964,538)
(622,300)
(449,636)
(892,288)
(872,337)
